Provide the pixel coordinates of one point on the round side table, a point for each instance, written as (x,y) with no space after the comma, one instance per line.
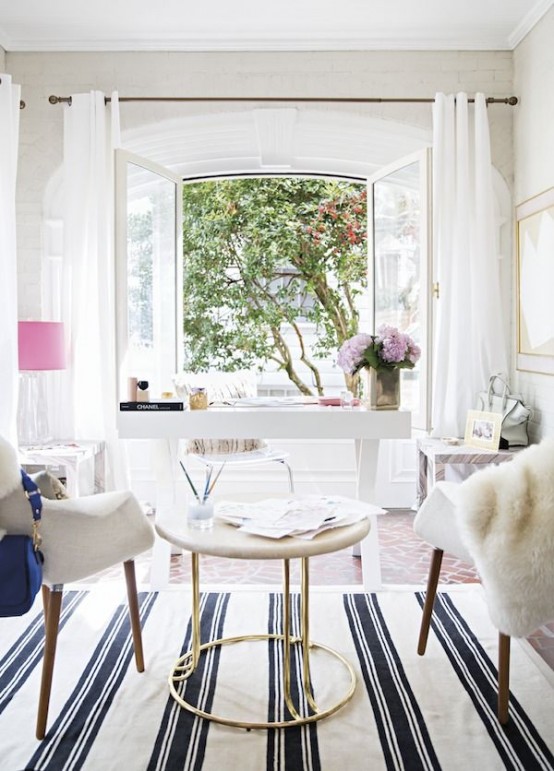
(225,540)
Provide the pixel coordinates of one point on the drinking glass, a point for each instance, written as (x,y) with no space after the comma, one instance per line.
(346,398)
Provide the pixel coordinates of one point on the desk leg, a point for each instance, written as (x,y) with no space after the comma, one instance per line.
(159,568)
(367,455)
(166,500)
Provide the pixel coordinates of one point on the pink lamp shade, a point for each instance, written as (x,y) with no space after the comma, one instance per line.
(41,345)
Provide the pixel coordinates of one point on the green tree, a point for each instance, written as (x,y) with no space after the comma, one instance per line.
(260,257)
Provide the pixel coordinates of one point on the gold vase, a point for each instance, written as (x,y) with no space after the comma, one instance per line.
(384,389)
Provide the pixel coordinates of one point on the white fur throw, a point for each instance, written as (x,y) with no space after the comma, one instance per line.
(10,474)
(506,519)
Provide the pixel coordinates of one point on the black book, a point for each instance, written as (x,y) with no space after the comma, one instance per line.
(151,406)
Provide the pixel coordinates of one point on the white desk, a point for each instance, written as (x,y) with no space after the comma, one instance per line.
(365,427)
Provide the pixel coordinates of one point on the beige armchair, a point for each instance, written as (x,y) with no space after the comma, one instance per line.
(80,537)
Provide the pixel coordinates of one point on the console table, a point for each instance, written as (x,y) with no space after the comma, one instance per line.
(364,427)
(80,462)
(434,455)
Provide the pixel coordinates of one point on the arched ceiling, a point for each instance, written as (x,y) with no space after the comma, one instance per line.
(276,140)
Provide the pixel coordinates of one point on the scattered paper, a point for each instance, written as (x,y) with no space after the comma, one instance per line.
(301,517)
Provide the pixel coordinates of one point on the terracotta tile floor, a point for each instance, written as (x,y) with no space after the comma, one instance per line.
(404,559)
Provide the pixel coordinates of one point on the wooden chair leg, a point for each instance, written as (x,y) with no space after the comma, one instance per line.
(51,638)
(503,677)
(431,593)
(130,579)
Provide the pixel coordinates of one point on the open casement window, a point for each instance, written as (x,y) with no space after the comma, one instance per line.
(148,227)
(399,249)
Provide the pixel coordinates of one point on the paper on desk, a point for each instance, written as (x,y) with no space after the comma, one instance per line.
(302,517)
(273,401)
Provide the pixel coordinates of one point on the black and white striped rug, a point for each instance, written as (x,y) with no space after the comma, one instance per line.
(408,712)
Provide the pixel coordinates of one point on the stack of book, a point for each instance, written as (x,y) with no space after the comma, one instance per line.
(161,406)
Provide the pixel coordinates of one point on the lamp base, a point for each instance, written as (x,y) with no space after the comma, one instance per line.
(32,414)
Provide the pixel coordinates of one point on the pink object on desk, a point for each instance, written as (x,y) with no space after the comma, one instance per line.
(334,401)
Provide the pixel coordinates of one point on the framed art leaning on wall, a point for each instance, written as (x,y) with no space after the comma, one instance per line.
(535,282)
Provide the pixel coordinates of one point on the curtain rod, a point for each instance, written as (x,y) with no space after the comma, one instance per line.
(510,100)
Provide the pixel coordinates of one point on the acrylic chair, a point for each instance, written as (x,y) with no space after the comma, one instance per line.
(217,454)
(500,519)
(209,454)
(80,537)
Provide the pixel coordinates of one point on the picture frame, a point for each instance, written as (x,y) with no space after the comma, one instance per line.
(483,429)
(535,279)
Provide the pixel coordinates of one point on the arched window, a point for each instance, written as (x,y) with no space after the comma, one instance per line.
(155,290)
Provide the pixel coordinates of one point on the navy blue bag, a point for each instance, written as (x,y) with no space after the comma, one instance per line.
(21,560)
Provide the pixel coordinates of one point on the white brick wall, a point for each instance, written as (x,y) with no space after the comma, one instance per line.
(534,173)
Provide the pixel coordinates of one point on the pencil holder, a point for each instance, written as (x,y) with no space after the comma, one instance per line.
(200,515)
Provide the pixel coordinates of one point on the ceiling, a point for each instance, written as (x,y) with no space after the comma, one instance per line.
(255,25)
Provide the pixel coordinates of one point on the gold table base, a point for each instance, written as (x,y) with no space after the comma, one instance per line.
(186,664)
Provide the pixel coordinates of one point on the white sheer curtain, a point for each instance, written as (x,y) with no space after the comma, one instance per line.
(91,131)
(9,142)
(470,340)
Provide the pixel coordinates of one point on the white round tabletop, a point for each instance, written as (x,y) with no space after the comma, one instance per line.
(224,540)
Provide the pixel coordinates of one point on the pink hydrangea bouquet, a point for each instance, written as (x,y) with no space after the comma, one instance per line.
(387,350)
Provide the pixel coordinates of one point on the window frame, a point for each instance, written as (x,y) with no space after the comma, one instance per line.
(124,158)
(421,420)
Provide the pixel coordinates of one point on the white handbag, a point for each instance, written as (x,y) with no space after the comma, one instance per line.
(515,415)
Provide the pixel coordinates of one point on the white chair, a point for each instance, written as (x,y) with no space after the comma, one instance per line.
(501,519)
(215,454)
(80,537)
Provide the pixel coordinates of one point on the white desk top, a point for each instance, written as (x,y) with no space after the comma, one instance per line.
(308,422)
(225,540)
